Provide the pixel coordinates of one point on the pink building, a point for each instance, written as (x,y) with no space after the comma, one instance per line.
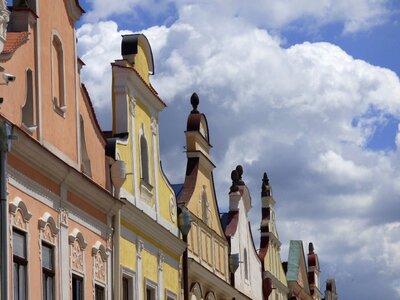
(60,209)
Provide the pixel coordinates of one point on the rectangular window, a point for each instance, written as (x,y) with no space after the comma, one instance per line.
(77,287)
(99,292)
(127,287)
(19,265)
(150,293)
(48,271)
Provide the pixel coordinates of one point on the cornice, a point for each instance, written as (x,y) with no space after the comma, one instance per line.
(150,228)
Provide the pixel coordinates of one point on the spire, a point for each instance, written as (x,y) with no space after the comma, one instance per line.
(235,180)
(239,170)
(310,248)
(194,100)
(265,188)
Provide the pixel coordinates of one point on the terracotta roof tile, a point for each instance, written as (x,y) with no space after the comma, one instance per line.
(14,40)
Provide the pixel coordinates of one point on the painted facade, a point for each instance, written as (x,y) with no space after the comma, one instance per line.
(247,278)
(274,284)
(60,210)
(150,247)
(208,262)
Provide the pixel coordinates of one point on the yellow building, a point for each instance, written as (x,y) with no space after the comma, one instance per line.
(274,284)
(150,248)
(209,274)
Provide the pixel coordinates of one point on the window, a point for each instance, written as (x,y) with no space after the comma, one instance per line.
(144,159)
(77,287)
(127,287)
(58,75)
(28,110)
(48,271)
(151,288)
(150,293)
(246,267)
(19,265)
(99,292)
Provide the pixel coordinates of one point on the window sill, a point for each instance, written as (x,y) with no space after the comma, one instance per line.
(60,110)
(30,129)
(146,190)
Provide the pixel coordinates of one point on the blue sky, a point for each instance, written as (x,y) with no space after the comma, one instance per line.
(307,91)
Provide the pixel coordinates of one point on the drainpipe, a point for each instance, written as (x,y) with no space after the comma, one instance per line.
(118,177)
(5,136)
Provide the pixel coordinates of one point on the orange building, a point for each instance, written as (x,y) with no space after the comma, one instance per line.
(57,185)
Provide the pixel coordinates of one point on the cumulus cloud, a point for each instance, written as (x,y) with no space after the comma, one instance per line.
(355,15)
(304,114)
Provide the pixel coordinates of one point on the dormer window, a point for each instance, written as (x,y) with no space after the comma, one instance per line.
(57,75)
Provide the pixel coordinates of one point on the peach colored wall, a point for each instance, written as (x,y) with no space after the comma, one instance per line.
(90,238)
(33,174)
(14,94)
(85,206)
(94,144)
(37,210)
(58,131)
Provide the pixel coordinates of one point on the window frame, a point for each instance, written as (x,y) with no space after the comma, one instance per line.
(48,273)
(81,279)
(20,261)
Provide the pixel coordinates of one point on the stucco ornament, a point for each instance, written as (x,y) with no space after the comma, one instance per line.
(77,256)
(99,268)
(4,18)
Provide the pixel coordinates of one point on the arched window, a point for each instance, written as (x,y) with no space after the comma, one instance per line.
(28,110)
(144,159)
(57,65)
(246,265)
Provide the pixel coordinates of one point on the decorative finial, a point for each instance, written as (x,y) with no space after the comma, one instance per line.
(194,100)
(235,179)
(239,169)
(310,248)
(265,190)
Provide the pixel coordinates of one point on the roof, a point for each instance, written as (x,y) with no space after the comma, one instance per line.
(296,254)
(14,40)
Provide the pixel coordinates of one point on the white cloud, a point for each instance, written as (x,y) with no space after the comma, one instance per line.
(355,15)
(288,111)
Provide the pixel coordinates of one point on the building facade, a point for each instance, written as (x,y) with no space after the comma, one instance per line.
(59,212)
(248,276)
(274,278)
(150,247)
(208,256)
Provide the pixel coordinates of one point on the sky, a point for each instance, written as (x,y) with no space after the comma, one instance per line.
(307,91)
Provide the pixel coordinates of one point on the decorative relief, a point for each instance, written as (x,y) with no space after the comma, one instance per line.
(172,208)
(64,216)
(48,228)
(109,244)
(132,106)
(4,18)
(99,268)
(140,247)
(19,220)
(47,235)
(77,256)
(154,126)
(19,212)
